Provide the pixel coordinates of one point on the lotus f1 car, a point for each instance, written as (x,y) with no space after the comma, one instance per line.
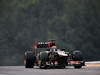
(47,55)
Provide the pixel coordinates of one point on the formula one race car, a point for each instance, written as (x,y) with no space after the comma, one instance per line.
(47,55)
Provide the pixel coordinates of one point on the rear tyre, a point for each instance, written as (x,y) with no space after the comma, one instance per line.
(30,60)
(77,55)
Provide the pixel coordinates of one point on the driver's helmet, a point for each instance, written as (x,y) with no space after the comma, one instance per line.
(53,49)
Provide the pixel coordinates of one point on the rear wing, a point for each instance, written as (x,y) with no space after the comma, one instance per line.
(48,44)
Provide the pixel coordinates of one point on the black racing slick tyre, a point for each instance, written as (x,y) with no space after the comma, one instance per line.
(77,55)
(43,65)
(43,58)
(77,67)
(30,60)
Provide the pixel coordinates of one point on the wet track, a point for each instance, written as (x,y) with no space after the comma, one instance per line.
(20,70)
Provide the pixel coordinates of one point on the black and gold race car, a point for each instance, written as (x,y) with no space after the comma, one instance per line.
(47,55)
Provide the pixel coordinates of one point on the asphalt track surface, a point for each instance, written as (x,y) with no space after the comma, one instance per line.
(20,70)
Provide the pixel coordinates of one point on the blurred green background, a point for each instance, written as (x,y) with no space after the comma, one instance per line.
(74,24)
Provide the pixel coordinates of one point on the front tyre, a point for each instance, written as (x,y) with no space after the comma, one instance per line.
(42,65)
(77,67)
